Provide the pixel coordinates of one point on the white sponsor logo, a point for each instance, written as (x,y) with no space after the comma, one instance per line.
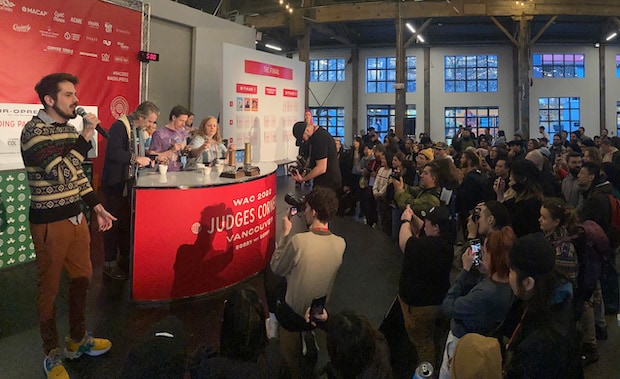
(61,50)
(35,11)
(93,24)
(123,31)
(48,33)
(92,39)
(105,57)
(118,106)
(87,54)
(108,27)
(72,36)
(76,20)
(6,5)
(120,59)
(59,17)
(107,42)
(21,28)
(122,46)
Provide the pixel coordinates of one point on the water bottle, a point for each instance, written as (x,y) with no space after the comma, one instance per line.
(423,371)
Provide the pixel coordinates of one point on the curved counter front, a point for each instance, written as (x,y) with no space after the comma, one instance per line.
(194,233)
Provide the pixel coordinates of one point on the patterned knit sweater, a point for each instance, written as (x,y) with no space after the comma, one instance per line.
(53,154)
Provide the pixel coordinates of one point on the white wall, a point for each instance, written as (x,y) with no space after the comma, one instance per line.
(587,89)
(209,32)
(612,89)
(503,98)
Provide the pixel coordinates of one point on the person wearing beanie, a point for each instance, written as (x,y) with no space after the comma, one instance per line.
(540,326)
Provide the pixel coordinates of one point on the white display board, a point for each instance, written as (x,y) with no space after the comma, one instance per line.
(263,96)
(13,117)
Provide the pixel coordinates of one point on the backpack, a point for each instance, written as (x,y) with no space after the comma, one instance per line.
(592,248)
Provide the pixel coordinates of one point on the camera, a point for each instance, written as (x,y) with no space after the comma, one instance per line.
(396,175)
(475,214)
(297,202)
(301,166)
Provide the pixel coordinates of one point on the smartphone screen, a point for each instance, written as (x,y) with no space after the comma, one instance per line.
(476,251)
(317,306)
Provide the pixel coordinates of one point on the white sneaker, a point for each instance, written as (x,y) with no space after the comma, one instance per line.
(272,327)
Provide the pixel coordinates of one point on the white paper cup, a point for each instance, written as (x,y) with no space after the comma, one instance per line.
(219,167)
(163,169)
(206,170)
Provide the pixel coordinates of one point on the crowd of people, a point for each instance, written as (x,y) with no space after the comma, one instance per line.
(532,223)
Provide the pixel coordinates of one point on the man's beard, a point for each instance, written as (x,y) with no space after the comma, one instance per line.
(63,114)
(574,171)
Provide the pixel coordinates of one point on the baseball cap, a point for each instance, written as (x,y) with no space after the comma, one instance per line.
(437,216)
(298,132)
(499,212)
(441,145)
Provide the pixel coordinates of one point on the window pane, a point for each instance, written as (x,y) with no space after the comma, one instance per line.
(449,86)
(371,87)
(460,86)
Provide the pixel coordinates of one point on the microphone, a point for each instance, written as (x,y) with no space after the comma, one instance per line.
(104,133)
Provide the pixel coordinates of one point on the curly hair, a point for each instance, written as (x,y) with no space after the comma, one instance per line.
(324,202)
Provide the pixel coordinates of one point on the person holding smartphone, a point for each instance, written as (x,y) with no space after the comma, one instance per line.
(479,300)
(309,261)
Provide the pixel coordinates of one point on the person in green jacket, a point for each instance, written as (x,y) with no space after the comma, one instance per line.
(423,197)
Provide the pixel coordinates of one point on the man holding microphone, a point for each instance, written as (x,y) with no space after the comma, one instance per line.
(53,153)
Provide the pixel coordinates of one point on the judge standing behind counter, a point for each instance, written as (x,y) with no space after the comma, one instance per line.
(206,146)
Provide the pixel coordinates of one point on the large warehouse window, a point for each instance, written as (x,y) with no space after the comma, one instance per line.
(558,65)
(470,73)
(559,113)
(327,70)
(331,118)
(381,74)
(383,117)
(481,120)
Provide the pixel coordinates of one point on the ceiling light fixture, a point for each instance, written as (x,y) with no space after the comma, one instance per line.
(273,47)
(410,27)
(420,38)
(611,36)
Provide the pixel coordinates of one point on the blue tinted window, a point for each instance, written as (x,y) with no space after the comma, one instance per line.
(381,74)
(327,70)
(548,65)
(331,118)
(559,113)
(482,120)
(473,73)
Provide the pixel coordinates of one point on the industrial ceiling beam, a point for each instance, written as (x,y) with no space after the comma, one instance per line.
(324,29)
(382,10)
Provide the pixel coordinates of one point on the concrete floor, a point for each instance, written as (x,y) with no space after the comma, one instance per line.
(366,283)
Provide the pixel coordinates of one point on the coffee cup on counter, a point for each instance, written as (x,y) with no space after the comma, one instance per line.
(206,170)
(163,169)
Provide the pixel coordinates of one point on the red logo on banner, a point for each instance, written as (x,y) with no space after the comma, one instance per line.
(247,88)
(259,68)
(230,122)
(271,91)
(289,92)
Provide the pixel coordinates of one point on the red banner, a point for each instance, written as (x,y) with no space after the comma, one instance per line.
(271,91)
(259,68)
(192,241)
(94,40)
(247,88)
(289,92)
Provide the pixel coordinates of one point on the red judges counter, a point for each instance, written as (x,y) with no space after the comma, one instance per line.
(195,233)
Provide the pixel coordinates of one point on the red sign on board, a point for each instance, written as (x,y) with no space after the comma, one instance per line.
(271,91)
(265,69)
(247,88)
(289,92)
(211,237)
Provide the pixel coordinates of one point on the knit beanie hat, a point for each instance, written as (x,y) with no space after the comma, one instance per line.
(532,255)
(477,357)
(428,153)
